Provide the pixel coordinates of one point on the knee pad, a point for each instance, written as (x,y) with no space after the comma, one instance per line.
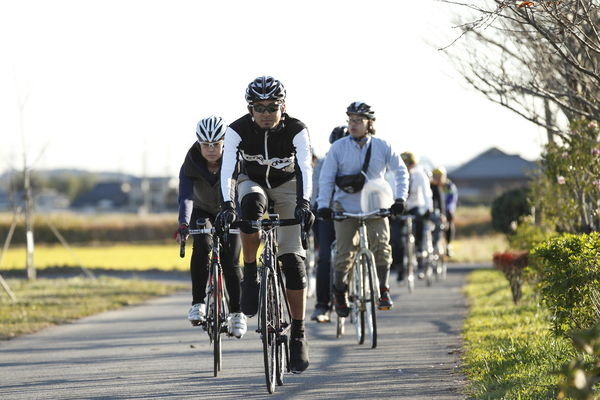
(294,271)
(253,206)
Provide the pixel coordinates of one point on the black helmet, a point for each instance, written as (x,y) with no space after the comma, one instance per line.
(337,133)
(265,88)
(360,108)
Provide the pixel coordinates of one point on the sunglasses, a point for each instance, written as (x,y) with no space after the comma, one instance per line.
(211,144)
(261,108)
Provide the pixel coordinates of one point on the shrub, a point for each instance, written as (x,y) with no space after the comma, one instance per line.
(569,271)
(509,207)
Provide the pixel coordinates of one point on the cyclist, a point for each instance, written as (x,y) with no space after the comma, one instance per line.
(419,204)
(199,198)
(275,160)
(346,157)
(449,193)
(325,237)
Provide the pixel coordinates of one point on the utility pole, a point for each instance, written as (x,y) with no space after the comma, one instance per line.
(31,273)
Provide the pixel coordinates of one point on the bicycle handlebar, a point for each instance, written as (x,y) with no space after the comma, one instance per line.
(381,213)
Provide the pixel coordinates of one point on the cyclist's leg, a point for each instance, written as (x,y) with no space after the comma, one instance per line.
(253,204)
(346,234)
(291,255)
(418,227)
(450,231)
(199,268)
(230,256)
(326,237)
(396,244)
(378,232)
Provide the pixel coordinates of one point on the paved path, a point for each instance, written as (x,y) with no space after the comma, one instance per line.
(150,351)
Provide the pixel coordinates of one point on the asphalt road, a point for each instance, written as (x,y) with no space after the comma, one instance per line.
(150,351)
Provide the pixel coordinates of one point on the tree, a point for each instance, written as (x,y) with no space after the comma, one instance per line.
(534,57)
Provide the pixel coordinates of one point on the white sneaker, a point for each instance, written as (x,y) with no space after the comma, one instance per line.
(197,314)
(236,324)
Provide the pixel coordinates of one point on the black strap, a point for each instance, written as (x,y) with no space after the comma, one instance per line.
(367,159)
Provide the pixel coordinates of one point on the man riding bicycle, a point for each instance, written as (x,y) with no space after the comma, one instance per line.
(449,196)
(275,164)
(199,198)
(420,205)
(345,158)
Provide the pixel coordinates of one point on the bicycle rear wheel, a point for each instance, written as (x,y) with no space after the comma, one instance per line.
(370,290)
(357,312)
(267,328)
(216,319)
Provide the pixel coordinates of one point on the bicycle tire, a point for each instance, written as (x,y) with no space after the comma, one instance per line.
(411,262)
(216,320)
(267,330)
(357,311)
(282,354)
(369,274)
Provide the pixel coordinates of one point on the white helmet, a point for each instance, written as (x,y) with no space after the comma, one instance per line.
(211,129)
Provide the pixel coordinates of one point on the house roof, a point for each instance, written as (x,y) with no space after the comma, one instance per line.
(494,163)
(112,191)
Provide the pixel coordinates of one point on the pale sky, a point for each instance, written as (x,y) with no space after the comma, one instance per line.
(104,83)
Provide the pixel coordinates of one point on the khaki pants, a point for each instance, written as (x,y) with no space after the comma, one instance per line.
(284,199)
(347,241)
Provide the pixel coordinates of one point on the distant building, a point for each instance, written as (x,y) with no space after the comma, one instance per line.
(490,174)
(50,200)
(105,196)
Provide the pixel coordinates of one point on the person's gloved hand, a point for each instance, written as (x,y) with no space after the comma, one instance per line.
(398,207)
(324,213)
(225,217)
(303,213)
(182,232)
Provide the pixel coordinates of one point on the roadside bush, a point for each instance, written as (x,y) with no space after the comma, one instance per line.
(569,271)
(508,208)
(512,265)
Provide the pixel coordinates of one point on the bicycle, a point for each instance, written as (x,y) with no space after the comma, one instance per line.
(274,314)
(409,258)
(439,247)
(310,263)
(216,295)
(364,286)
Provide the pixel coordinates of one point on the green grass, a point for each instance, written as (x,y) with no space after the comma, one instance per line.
(45,302)
(509,350)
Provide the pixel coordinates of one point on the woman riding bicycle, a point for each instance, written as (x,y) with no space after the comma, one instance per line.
(346,157)
(200,198)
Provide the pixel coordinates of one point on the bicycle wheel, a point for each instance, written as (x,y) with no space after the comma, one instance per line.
(411,263)
(370,288)
(267,328)
(216,318)
(283,331)
(357,309)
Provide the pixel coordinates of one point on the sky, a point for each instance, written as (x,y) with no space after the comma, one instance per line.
(120,85)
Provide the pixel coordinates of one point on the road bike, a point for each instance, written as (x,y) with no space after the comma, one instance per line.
(438,255)
(274,316)
(363,288)
(310,262)
(217,309)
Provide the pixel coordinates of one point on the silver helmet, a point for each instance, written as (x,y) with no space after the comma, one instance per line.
(211,129)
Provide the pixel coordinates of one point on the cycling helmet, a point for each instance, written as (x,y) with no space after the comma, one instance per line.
(337,133)
(408,158)
(211,129)
(360,108)
(265,88)
(439,172)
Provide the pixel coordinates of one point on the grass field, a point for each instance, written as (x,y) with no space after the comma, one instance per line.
(509,350)
(122,256)
(45,302)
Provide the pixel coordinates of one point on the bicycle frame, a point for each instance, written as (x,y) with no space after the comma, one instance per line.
(364,282)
